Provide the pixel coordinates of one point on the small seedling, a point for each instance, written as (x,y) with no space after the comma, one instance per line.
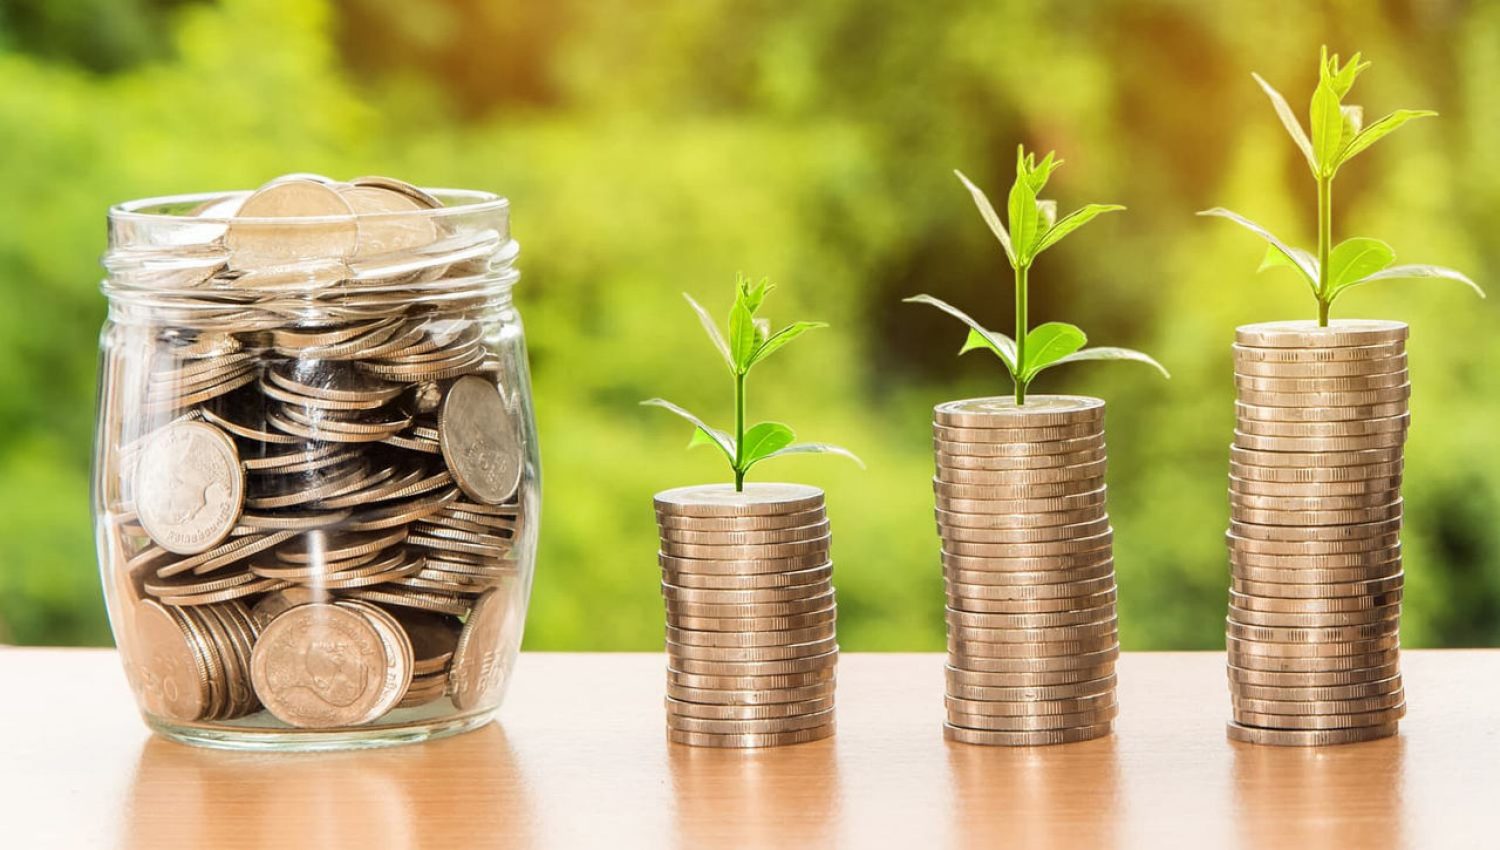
(750,341)
(1034,227)
(1338,135)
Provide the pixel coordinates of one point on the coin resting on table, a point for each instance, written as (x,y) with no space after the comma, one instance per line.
(314,459)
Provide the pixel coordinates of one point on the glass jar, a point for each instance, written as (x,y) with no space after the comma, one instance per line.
(316,484)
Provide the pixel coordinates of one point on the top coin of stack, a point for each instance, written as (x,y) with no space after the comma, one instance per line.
(1314,537)
(1029,570)
(748,587)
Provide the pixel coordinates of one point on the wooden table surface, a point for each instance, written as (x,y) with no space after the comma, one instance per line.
(579,759)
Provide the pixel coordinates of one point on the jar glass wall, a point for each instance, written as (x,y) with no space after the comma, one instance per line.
(316,483)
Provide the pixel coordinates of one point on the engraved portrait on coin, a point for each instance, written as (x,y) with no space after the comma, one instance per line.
(480,441)
(189,487)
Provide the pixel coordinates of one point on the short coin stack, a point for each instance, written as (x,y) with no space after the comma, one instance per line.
(1314,534)
(1029,569)
(751,644)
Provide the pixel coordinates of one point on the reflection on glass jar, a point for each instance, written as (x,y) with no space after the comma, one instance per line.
(316,478)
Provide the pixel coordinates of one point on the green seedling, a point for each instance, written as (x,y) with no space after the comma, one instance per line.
(749,342)
(1034,227)
(1338,135)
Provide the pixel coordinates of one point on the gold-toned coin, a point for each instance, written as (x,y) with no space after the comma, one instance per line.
(1105,567)
(1019,462)
(1335,693)
(970,680)
(759,610)
(747,712)
(1297,708)
(1368,457)
(1326,415)
(985,436)
(480,440)
(1028,606)
(1309,665)
(1028,621)
(752,654)
(791,622)
(1020,506)
(972,649)
(1318,369)
(1310,606)
(1039,549)
(1028,448)
(1015,491)
(749,551)
(1260,544)
(1003,412)
(676,569)
(742,637)
(753,696)
(763,596)
(479,656)
(1350,516)
(784,667)
(1021,477)
(761,726)
(797,519)
(757,499)
(1313,575)
(1314,619)
(1083,631)
(1348,501)
(1239,677)
(1308,737)
(751,741)
(1033,722)
(321,666)
(1374,586)
(1045,534)
(164,666)
(1088,689)
(1381,717)
(994,738)
(1385,440)
(397,647)
(1082,661)
(1320,384)
(800,534)
(1300,334)
(755,581)
(1369,646)
(1371,560)
(1028,592)
(783,681)
(1319,533)
(1045,519)
(959,706)
(289,222)
(1310,490)
(1350,428)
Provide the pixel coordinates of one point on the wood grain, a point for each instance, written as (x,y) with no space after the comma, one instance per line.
(579,760)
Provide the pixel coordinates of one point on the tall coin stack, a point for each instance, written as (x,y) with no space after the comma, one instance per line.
(1314,534)
(1029,569)
(748,586)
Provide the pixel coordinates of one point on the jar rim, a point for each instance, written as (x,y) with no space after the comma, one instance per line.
(149,211)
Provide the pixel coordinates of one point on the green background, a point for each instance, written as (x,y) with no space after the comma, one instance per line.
(652,147)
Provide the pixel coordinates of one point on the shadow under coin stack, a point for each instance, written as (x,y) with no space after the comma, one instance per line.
(1029,569)
(1314,535)
(751,644)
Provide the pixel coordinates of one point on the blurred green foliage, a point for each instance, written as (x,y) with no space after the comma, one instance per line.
(656,146)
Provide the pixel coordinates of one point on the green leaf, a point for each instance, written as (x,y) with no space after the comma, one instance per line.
(1357,258)
(1379,130)
(1416,272)
(1002,345)
(712,330)
(991,218)
(723,440)
(1071,222)
(765,439)
(752,293)
(1300,260)
(1274,258)
(1107,352)
(780,338)
(1289,121)
(741,335)
(1048,343)
(1025,218)
(815,448)
(1327,122)
(1048,212)
(762,331)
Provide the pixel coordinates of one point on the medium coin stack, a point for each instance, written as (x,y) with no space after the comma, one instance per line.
(748,586)
(1314,534)
(1029,568)
(315,516)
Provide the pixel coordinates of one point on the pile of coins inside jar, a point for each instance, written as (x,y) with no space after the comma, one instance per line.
(1314,535)
(314,491)
(1029,568)
(748,586)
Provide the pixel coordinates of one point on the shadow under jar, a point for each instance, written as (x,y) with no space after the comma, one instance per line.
(316,484)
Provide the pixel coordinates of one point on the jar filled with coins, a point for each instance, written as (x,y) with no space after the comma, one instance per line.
(316,480)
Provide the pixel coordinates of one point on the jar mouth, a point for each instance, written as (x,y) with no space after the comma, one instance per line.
(170,210)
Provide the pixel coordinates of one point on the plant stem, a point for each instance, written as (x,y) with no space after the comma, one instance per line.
(1020,334)
(739,432)
(1325,238)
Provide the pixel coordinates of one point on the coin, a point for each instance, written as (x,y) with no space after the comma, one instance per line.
(1369,530)
(1104,568)
(1070,590)
(1028,621)
(1069,446)
(676,569)
(771,739)
(1016,477)
(1373,353)
(747,538)
(755,581)
(1369,560)
(1257,442)
(772,595)
(1299,708)
(1018,462)
(757,499)
(1313,665)
(1082,661)
(753,696)
(1308,737)
(1036,708)
(785,667)
(1031,693)
(784,681)
(985,436)
(1041,519)
(959,533)
(163,666)
(1349,501)
(752,654)
(751,625)
(1320,384)
(479,656)
(321,666)
(479,440)
(1240,677)
(1015,491)
(1003,412)
(1238,647)
(759,726)
(748,712)
(1022,505)
(1083,631)
(1380,717)
(1309,335)
(970,604)
(1033,722)
(960,679)
(1322,590)
(1370,457)
(1314,518)
(1314,619)
(1382,428)
(805,605)
(990,737)
(1319,369)
(1038,549)
(257,239)
(756,551)
(189,487)
(797,519)
(749,638)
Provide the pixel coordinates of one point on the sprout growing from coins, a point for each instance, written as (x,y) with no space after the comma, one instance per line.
(1033,228)
(750,341)
(1338,135)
